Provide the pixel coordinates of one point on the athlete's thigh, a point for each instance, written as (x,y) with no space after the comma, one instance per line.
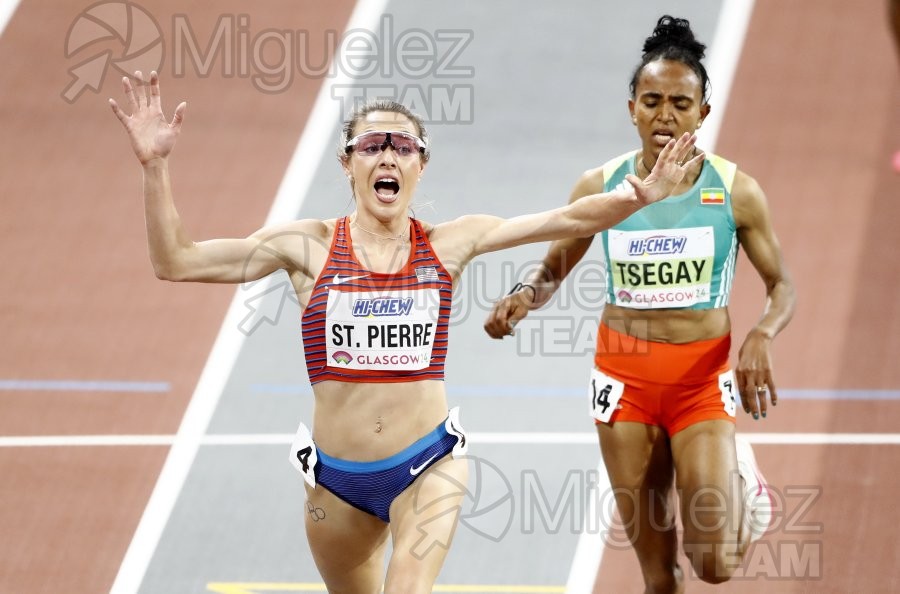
(424,518)
(636,455)
(639,465)
(708,482)
(347,544)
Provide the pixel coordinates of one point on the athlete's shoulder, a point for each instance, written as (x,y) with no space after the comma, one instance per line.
(309,227)
(745,183)
(427,228)
(467,223)
(746,189)
(614,164)
(748,201)
(724,169)
(593,180)
(303,235)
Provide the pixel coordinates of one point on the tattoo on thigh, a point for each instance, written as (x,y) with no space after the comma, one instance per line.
(316,513)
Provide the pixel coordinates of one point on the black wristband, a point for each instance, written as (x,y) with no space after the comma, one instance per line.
(519,286)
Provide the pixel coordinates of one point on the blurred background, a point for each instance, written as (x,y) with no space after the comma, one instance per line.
(144,425)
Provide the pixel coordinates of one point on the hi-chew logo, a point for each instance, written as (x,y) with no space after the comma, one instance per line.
(657,245)
(382,307)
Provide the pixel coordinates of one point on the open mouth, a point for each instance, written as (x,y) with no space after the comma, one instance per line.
(662,136)
(387,189)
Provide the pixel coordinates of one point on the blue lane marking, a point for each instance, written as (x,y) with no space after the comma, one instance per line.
(452,390)
(840,394)
(296,389)
(518,391)
(576,392)
(83,386)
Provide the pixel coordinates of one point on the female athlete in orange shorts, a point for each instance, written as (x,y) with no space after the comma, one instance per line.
(662,392)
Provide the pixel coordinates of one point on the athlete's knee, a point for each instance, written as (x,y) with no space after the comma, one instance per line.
(713,563)
(715,575)
(413,567)
(663,580)
(407,581)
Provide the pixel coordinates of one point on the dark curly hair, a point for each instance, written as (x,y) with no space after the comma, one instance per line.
(673,39)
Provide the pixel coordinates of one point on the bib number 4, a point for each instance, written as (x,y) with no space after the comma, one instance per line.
(727,388)
(604,393)
(304,456)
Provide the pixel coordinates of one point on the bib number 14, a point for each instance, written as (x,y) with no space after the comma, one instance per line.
(604,393)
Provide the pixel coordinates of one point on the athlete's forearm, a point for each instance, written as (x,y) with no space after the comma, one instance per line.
(561,258)
(166,237)
(780,304)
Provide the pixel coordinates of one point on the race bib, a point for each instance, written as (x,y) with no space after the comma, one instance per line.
(303,455)
(727,387)
(391,331)
(604,393)
(454,428)
(661,268)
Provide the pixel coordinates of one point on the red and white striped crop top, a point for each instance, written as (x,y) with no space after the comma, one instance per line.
(364,326)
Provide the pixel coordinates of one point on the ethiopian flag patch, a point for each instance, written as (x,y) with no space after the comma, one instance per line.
(712,195)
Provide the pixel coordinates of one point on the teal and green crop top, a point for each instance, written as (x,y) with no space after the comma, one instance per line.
(677,253)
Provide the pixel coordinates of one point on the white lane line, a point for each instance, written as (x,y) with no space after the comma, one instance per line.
(7,10)
(725,51)
(67,441)
(590,439)
(726,47)
(589,550)
(308,154)
(119,386)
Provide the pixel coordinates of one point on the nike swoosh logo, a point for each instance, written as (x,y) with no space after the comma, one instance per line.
(414,470)
(338,279)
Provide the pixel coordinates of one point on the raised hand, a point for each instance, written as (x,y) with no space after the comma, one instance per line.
(151,136)
(669,170)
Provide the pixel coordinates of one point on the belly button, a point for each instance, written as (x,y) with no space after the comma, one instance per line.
(378,425)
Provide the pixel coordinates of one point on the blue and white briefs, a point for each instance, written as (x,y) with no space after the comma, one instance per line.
(373,486)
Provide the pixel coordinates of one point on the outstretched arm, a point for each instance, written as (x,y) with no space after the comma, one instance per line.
(591,214)
(565,253)
(173,254)
(541,284)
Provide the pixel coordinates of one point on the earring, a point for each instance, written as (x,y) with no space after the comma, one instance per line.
(700,123)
